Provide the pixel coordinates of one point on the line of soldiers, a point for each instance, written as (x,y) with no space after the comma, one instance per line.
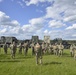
(39,49)
(21,47)
(43,48)
(36,50)
(53,49)
(13,48)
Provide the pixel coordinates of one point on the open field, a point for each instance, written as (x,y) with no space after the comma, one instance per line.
(52,65)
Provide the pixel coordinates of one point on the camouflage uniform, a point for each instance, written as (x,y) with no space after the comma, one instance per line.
(74,47)
(13,48)
(50,49)
(38,51)
(25,48)
(20,48)
(32,46)
(72,50)
(46,47)
(61,47)
(56,50)
(43,47)
(5,48)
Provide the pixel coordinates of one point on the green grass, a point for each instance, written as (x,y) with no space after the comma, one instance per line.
(52,65)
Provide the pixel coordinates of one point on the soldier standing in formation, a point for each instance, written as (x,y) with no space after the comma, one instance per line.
(56,50)
(46,46)
(32,46)
(38,51)
(72,50)
(25,48)
(43,48)
(20,48)
(13,48)
(61,47)
(5,48)
(50,49)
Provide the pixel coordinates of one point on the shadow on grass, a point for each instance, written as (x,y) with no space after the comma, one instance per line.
(13,60)
(52,63)
(24,57)
(17,57)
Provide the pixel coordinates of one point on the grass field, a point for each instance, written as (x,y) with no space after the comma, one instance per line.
(52,65)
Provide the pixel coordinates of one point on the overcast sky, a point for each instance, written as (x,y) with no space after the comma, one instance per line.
(24,18)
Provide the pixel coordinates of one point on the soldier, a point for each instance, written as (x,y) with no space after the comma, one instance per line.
(46,47)
(25,48)
(55,48)
(20,48)
(50,49)
(61,47)
(72,50)
(5,48)
(13,48)
(38,51)
(32,46)
(43,47)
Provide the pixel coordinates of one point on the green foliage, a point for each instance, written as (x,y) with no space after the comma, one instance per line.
(26,65)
